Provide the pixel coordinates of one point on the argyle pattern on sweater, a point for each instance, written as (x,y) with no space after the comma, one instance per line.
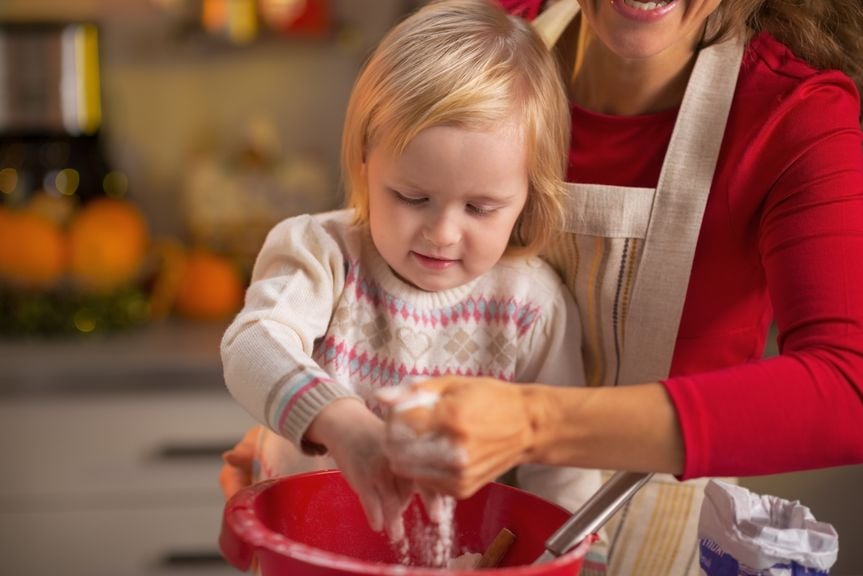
(326,318)
(378,339)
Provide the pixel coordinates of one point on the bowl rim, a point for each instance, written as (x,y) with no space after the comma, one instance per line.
(240,519)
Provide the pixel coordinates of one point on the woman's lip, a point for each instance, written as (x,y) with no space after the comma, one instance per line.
(432,262)
(643,15)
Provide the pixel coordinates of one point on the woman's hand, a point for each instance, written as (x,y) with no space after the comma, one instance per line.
(478,428)
(355,439)
(473,431)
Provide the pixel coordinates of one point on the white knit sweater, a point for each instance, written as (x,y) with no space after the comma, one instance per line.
(326,318)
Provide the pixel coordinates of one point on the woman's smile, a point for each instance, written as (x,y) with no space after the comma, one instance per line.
(644,11)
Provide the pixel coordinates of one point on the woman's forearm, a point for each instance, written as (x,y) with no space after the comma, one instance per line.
(628,428)
(488,426)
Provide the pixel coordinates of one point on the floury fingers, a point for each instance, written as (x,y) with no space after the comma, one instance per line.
(412,449)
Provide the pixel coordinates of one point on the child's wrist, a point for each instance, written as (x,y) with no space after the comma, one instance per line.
(325,428)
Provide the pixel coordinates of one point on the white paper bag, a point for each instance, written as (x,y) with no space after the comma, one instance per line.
(741,533)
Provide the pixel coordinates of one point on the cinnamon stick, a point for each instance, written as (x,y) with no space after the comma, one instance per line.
(497,549)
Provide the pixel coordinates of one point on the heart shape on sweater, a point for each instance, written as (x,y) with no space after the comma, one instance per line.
(416,343)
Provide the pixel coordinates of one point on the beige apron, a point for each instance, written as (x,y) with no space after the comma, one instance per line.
(626,257)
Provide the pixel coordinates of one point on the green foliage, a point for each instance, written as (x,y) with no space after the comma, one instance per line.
(66,313)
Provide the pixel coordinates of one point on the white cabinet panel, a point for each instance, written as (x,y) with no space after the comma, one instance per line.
(159,539)
(122,484)
(111,448)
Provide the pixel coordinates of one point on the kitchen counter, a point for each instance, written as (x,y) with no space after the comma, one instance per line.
(160,357)
(113,448)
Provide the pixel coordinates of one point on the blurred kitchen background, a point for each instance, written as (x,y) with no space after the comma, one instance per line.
(145,148)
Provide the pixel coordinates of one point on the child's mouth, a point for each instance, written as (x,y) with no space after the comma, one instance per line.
(432,262)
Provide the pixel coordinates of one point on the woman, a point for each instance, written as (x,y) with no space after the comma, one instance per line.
(716,183)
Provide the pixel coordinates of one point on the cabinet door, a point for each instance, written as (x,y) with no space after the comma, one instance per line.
(115,449)
(114,484)
(162,538)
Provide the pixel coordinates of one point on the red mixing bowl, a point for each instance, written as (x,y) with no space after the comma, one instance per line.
(313,525)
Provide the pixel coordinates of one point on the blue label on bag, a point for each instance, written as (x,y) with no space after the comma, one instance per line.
(716,562)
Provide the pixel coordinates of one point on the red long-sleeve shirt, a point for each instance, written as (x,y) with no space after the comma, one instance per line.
(782,236)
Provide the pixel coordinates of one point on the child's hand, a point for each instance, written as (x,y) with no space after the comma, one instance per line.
(354,437)
(236,471)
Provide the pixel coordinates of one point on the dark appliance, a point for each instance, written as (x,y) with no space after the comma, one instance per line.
(50,111)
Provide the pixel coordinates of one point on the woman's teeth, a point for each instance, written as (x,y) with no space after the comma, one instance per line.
(646,5)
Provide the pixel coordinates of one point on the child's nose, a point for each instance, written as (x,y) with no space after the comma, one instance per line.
(442,230)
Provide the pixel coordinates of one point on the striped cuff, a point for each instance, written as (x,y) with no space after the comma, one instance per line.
(313,399)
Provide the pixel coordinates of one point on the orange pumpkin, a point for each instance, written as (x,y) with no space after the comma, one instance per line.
(211,287)
(32,252)
(108,240)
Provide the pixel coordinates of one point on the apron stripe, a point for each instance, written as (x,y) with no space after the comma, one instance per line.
(616,321)
(576,262)
(563,254)
(656,535)
(622,294)
(653,537)
(627,289)
(682,517)
(669,533)
(657,512)
(599,261)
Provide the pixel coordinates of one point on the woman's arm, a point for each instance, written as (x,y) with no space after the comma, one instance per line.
(490,426)
(628,428)
(802,409)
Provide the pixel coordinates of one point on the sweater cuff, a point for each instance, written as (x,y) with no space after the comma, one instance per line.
(688,405)
(314,399)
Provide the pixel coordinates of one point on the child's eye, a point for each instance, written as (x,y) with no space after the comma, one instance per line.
(410,200)
(479,210)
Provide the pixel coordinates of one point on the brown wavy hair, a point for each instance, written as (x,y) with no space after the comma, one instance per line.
(824,33)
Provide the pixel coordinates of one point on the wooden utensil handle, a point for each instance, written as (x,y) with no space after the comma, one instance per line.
(497,549)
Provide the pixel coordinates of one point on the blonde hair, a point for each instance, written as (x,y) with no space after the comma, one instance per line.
(469,64)
(824,33)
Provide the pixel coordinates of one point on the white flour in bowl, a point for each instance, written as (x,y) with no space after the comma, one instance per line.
(429,544)
(432,542)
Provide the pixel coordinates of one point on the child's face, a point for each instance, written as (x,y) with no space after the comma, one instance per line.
(442,213)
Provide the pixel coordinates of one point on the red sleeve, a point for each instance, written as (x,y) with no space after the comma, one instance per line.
(527,9)
(804,408)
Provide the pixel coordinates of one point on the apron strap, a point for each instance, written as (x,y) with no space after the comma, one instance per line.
(675,218)
(552,21)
